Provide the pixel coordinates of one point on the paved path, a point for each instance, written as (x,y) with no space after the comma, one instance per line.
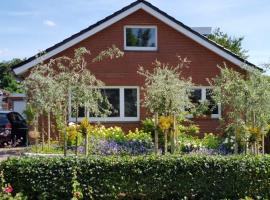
(10,152)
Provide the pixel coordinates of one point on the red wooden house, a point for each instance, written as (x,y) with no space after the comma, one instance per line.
(144,33)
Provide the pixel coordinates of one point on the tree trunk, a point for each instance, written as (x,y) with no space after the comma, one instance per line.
(49,130)
(77,113)
(86,144)
(76,121)
(156,133)
(86,138)
(255,148)
(36,129)
(65,135)
(165,142)
(254,122)
(173,135)
(263,144)
(65,142)
(42,132)
(76,147)
(235,144)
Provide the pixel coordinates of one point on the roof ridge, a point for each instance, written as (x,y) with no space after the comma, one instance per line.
(164,14)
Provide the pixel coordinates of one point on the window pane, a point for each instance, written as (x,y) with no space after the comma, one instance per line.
(196,96)
(213,106)
(141,37)
(113,96)
(18,117)
(81,111)
(3,118)
(130,102)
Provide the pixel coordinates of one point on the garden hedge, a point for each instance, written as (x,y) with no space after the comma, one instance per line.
(141,177)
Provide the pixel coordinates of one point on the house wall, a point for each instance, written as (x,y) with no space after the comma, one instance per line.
(123,71)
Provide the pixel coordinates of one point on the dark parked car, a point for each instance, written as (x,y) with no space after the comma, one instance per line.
(13,129)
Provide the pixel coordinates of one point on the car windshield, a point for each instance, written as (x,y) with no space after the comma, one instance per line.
(15,117)
(3,118)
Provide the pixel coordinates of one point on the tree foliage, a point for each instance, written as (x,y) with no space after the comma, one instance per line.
(234,44)
(166,90)
(7,79)
(166,93)
(245,100)
(53,85)
(49,85)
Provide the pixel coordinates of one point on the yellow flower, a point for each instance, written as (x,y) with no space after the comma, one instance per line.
(72,134)
(255,132)
(165,122)
(85,123)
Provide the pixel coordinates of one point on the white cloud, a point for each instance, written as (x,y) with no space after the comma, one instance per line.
(49,23)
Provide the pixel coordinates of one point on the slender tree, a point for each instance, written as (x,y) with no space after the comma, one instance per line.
(40,88)
(166,91)
(63,81)
(245,99)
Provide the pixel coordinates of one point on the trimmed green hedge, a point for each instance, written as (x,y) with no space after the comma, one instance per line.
(143,177)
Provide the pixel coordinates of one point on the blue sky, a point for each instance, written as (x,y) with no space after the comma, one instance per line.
(29,26)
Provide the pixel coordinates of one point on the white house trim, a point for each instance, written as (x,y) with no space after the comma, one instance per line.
(203,99)
(141,48)
(122,117)
(151,11)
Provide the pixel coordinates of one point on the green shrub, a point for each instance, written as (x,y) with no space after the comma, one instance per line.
(142,177)
(40,178)
(45,149)
(148,125)
(117,134)
(211,141)
(18,196)
(111,133)
(191,129)
(73,134)
(188,143)
(113,141)
(139,135)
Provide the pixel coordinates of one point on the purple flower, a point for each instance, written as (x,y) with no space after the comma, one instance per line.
(112,147)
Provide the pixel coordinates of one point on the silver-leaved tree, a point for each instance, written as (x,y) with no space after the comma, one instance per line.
(53,86)
(245,100)
(166,93)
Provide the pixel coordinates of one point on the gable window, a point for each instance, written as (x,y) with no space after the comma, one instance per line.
(140,38)
(199,95)
(124,105)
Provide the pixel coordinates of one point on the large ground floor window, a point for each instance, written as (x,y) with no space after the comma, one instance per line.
(124,102)
(203,94)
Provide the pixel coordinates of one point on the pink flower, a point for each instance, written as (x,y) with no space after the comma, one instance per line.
(8,189)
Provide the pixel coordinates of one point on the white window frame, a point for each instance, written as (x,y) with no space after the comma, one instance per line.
(203,99)
(128,48)
(122,117)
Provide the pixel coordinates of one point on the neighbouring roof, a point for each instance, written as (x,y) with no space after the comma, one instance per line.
(133,7)
(203,30)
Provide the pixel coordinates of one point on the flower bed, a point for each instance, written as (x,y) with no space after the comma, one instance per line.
(101,141)
(140,177)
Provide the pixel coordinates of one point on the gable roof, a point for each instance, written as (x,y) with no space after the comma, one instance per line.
(133,7)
